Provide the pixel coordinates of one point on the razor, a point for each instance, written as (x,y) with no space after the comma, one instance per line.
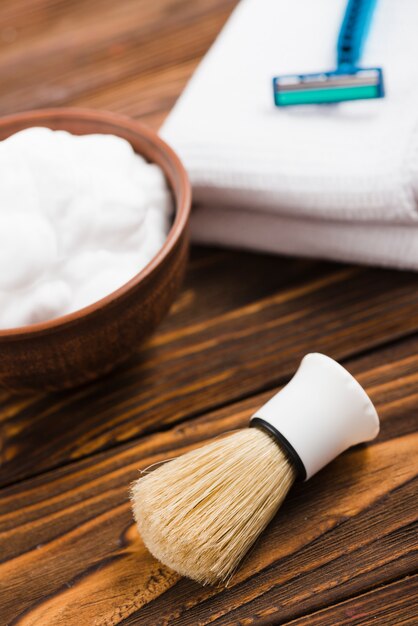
(348,81)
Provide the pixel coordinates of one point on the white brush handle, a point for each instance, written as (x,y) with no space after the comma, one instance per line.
(320,413)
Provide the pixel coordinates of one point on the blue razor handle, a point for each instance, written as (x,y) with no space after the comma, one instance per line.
(348,81)
(354,30)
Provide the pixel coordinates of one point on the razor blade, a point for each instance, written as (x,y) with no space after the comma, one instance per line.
(328,87)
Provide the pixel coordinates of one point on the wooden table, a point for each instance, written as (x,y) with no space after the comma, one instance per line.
(341,551)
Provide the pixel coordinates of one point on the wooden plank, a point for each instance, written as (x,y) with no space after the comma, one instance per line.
(396,603)
(71,554)
(149,96)
(228,338)
(77,48)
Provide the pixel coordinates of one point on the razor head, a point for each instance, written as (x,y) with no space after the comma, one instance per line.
(328,87)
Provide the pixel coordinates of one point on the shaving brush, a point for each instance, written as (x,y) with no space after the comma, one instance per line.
(200,513)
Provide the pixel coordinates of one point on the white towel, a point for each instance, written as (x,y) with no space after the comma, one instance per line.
(337,182)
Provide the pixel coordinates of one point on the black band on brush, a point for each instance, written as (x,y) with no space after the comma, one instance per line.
(291,452)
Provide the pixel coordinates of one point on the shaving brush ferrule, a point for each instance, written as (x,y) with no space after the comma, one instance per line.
(320,413)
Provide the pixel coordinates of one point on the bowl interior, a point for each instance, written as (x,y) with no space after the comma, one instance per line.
(146,143)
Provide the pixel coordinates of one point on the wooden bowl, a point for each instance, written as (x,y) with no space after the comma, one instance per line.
(83,345)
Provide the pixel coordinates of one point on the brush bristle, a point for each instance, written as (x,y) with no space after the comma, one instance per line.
(200,513)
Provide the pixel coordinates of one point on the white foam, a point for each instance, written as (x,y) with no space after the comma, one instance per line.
(79,217)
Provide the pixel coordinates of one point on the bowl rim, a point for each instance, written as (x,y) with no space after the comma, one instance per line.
(177,228)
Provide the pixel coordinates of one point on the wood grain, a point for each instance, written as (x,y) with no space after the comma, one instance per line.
(396,603)
(83,48)
(349,529)
(204,358)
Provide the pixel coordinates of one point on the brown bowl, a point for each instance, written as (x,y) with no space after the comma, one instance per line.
(83,345)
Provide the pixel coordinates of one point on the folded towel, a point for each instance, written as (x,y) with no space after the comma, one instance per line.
(338,182)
